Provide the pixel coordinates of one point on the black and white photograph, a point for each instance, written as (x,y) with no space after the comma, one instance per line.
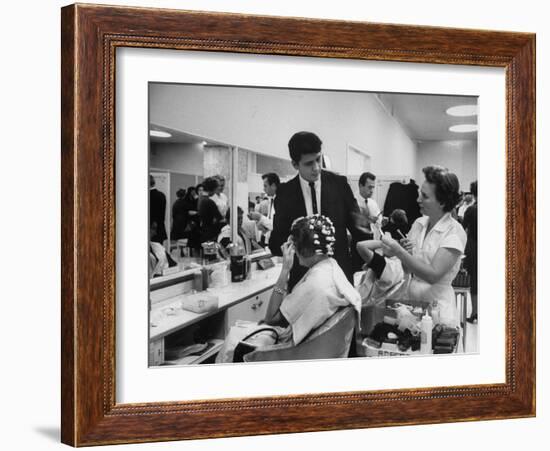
(297,224)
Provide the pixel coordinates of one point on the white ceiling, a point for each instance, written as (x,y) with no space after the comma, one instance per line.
(177,136)
(424,117)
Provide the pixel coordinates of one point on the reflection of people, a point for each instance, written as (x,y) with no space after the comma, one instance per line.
(313,191)
(179,215)
(470,261)
(320,292)
(191,218)
(210,217)
(245,239)
(159,259)
(219,197)
(157,210)
(465,204)
(434,245)
(266,210)
(200,190)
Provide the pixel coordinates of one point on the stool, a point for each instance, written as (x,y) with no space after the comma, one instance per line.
(461,297)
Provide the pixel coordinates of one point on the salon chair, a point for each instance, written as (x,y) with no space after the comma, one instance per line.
(330,340)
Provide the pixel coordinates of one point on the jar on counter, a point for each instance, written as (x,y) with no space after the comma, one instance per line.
(435,311)
(209,251)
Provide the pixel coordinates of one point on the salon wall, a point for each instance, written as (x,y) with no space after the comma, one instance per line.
(263,120)
(184,158)
(459,157)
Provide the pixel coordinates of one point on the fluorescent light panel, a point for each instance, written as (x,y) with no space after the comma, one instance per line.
(463,128)
(462,110)
(159,134)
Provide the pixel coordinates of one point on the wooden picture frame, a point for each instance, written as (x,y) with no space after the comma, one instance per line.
(90,36)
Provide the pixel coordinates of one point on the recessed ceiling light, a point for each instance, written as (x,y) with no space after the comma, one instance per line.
(159,134)
(204,143)
(463,128)
(462,110)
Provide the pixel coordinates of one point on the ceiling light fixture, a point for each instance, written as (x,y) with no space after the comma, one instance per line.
(462,110)
(463,128)
(159,134)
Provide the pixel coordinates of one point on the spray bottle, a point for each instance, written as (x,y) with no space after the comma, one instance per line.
(426,326)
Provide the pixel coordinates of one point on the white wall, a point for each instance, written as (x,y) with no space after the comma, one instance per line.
(184,158)
(459,157)
(263,120)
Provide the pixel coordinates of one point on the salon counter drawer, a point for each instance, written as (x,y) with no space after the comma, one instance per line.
(250,309)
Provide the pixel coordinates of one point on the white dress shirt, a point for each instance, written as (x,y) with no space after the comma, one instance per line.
(266,221)
(306,191)
(221,202)
(371,209)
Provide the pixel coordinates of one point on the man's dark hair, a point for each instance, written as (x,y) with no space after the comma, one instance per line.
(303,143)
(210,184)
(447,187)
(365,176)
(272,178)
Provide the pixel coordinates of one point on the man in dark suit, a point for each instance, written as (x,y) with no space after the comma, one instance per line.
(157,210)
(312,191)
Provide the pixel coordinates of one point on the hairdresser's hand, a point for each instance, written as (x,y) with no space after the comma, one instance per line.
(288,255)
(390,246)
(407,245)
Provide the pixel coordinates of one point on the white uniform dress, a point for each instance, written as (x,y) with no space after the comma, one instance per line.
(446,233)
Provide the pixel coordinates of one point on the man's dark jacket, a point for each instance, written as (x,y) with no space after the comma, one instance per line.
(337,202)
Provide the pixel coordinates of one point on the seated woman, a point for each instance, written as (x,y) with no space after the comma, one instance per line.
(398,225)
(432,250)
(383,276)
(316,297)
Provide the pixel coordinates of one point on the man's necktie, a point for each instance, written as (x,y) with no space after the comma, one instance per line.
(313,198)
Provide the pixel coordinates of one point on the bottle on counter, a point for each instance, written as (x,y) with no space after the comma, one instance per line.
(209,252)
(238,263)
(197,280)
(435,312)
(205,275)
(426,326)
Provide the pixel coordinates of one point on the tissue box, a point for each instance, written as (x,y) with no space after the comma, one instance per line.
(200,302)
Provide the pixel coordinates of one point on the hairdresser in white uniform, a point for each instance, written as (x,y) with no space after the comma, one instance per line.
(433,248)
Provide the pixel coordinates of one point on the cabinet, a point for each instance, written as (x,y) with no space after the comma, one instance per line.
(174,330)
(251,309)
